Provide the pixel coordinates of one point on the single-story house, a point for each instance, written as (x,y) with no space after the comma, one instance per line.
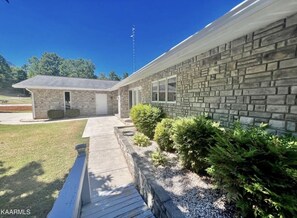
(90,96)
(242,66)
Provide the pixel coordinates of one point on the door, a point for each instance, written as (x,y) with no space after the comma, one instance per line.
(134,97)
(101,104)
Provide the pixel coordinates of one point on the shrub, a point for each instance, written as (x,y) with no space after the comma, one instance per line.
(158,158)
(55,114)
(141,140)
(72,113)
(145,118)
(193,137)
(163,134)
(258,171)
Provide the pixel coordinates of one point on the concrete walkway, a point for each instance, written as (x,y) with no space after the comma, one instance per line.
(112,191)
(14,118)
(27,118)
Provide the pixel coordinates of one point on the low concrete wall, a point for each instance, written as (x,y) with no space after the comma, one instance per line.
(154,195)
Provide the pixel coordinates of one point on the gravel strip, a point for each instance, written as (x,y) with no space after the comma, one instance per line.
(194,195)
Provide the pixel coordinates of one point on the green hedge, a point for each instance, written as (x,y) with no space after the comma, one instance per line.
(55,114)
(257,170)
(193,137)
(145,118)
(72,113)
(163,134)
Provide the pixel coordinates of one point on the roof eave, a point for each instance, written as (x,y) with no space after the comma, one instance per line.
(243,19)
(59,88)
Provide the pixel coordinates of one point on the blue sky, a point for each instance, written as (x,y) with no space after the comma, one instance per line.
(100,30)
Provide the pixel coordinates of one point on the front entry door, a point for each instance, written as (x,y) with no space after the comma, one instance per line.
(101,104)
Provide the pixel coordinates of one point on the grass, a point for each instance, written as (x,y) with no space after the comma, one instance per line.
(13,96)
(15,99)
(34,163)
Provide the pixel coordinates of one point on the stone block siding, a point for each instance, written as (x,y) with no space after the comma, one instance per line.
(252,79)
(156,198)
(114,101)
(45,99)
(123,92)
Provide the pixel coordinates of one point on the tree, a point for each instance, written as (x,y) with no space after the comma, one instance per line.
(49,64)
(67,68)
(77,68)
(5,73)
(125,75)
(113,76)
(18,74)
(52,64)
(33,67)
(102,76)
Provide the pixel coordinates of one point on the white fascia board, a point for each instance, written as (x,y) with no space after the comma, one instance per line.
(245,18)
(59,88)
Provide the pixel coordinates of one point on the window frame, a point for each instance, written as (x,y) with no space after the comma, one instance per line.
(161,80)
(70,100)
(170,77)
(157,91)
(166,90)
(137,89)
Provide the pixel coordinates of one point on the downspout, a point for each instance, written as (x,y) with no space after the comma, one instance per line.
(33,103)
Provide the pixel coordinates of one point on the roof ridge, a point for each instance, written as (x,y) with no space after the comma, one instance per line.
(68,77)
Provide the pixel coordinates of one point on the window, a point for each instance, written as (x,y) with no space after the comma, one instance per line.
(67,100)
(164,90)
(134,96)
(155,91)
(171,89)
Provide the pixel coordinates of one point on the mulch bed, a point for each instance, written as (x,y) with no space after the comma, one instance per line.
(194,195)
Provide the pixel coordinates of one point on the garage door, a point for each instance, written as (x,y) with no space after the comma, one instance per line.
(101,104)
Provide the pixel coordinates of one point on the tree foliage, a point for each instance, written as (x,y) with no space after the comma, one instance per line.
(54,65)
(102,76)
(113,76)
(125,75)
(5,72)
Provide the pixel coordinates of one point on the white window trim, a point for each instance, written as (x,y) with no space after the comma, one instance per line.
(139,88)
(157,81)
(170,77)
(166,90)
(164,79)
(64,100)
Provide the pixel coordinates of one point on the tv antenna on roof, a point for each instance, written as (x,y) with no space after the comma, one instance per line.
(133,46)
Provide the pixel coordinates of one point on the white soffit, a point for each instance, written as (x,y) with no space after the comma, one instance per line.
(245,18)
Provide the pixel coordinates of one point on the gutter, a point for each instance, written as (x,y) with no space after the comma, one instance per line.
(245,18)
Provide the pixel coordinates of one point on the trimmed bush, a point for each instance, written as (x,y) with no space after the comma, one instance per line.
(163,135)
(72,113)
(145,118)
(193,137)
(141,140)
(257,170)
(55,114)
(158,158)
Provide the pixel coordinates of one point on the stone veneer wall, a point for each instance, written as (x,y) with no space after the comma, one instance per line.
(252,79)
(46,99)
(155,196)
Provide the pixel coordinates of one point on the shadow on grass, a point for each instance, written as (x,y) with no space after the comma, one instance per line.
(23,190)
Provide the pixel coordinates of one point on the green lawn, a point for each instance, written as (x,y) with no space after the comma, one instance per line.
(34,162)
(15,99)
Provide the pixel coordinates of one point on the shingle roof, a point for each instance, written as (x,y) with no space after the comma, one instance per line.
(56,82)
